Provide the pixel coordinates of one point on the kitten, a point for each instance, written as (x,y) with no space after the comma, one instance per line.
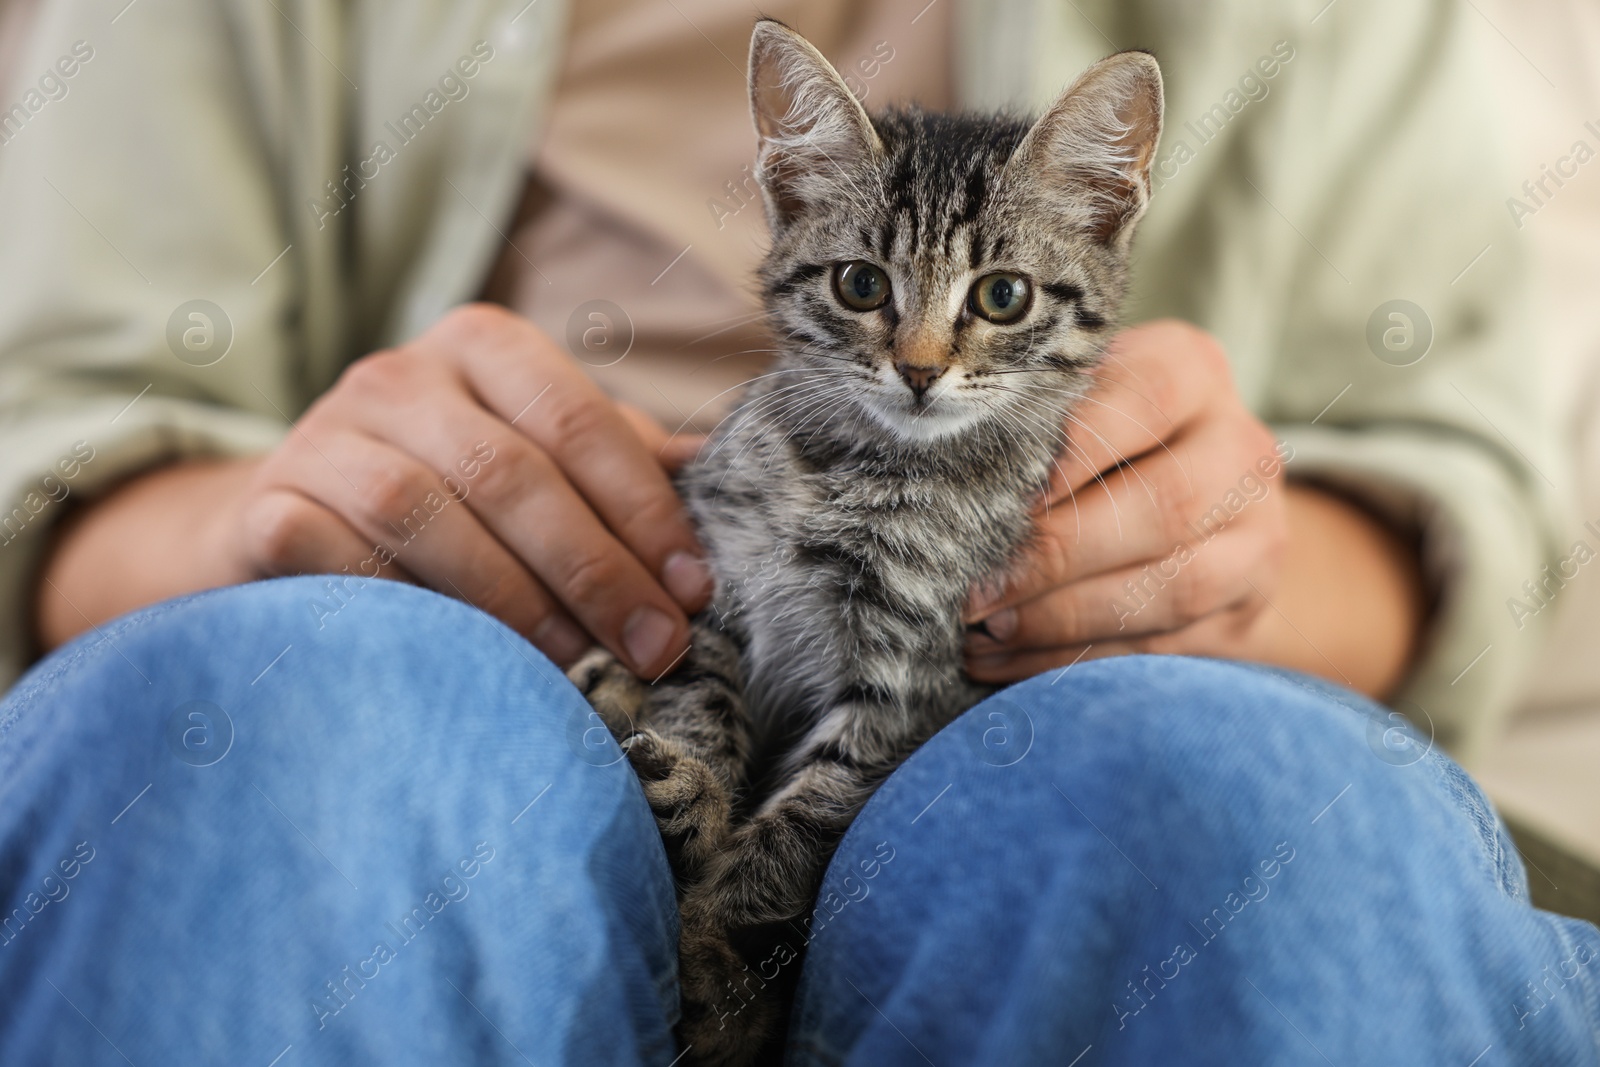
(940,288)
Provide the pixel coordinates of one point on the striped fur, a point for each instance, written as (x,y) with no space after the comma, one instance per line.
(847,513)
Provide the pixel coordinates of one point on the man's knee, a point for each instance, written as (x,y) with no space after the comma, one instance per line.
(1176,723)
(1178,763)
(343,676)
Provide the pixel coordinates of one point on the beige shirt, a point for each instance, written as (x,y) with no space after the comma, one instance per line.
(645,198)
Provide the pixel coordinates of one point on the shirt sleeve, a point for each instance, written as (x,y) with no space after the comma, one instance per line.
(142,316)
(1407,376)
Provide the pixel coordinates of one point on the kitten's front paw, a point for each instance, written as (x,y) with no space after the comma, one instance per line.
(691,804)
(610,688)
(728,1010)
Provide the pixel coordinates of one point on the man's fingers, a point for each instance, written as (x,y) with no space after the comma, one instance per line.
(1145,511)
(515,371)
(672,450)
(287,532)
(1157,597)
(651,432)
(1214,635)
(1136,513)
(408,511)
(679,449)
(600,581)
(520,496)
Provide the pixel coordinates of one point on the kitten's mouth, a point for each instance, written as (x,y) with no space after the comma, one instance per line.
(921,417)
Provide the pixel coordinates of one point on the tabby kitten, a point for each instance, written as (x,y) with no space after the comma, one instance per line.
(939,288)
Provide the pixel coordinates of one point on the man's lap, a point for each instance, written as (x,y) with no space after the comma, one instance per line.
(1165,860)
(394,760)
(1079,863)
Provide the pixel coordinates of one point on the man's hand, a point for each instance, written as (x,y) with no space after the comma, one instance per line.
(477,460)
(1168,528)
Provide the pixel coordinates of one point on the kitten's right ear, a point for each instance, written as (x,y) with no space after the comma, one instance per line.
(1092,150)
(813,133)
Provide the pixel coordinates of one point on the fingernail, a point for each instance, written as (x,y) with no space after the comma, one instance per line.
(686,577)
(1001,625)
(645,635)
(561,639)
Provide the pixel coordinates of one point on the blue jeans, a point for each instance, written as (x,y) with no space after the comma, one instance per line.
(290,824)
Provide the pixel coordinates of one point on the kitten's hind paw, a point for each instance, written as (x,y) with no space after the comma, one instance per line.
(691,804)
(728,1010)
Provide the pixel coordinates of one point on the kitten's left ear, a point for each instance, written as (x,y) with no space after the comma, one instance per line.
(814,134)
(1091,152)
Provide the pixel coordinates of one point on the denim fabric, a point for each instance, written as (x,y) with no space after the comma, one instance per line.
(1155,860)
(284,824)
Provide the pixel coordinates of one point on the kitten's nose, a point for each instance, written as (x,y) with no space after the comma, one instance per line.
(919,377)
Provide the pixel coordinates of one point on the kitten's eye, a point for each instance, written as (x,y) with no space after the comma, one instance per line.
(861,285)
(1001,297)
